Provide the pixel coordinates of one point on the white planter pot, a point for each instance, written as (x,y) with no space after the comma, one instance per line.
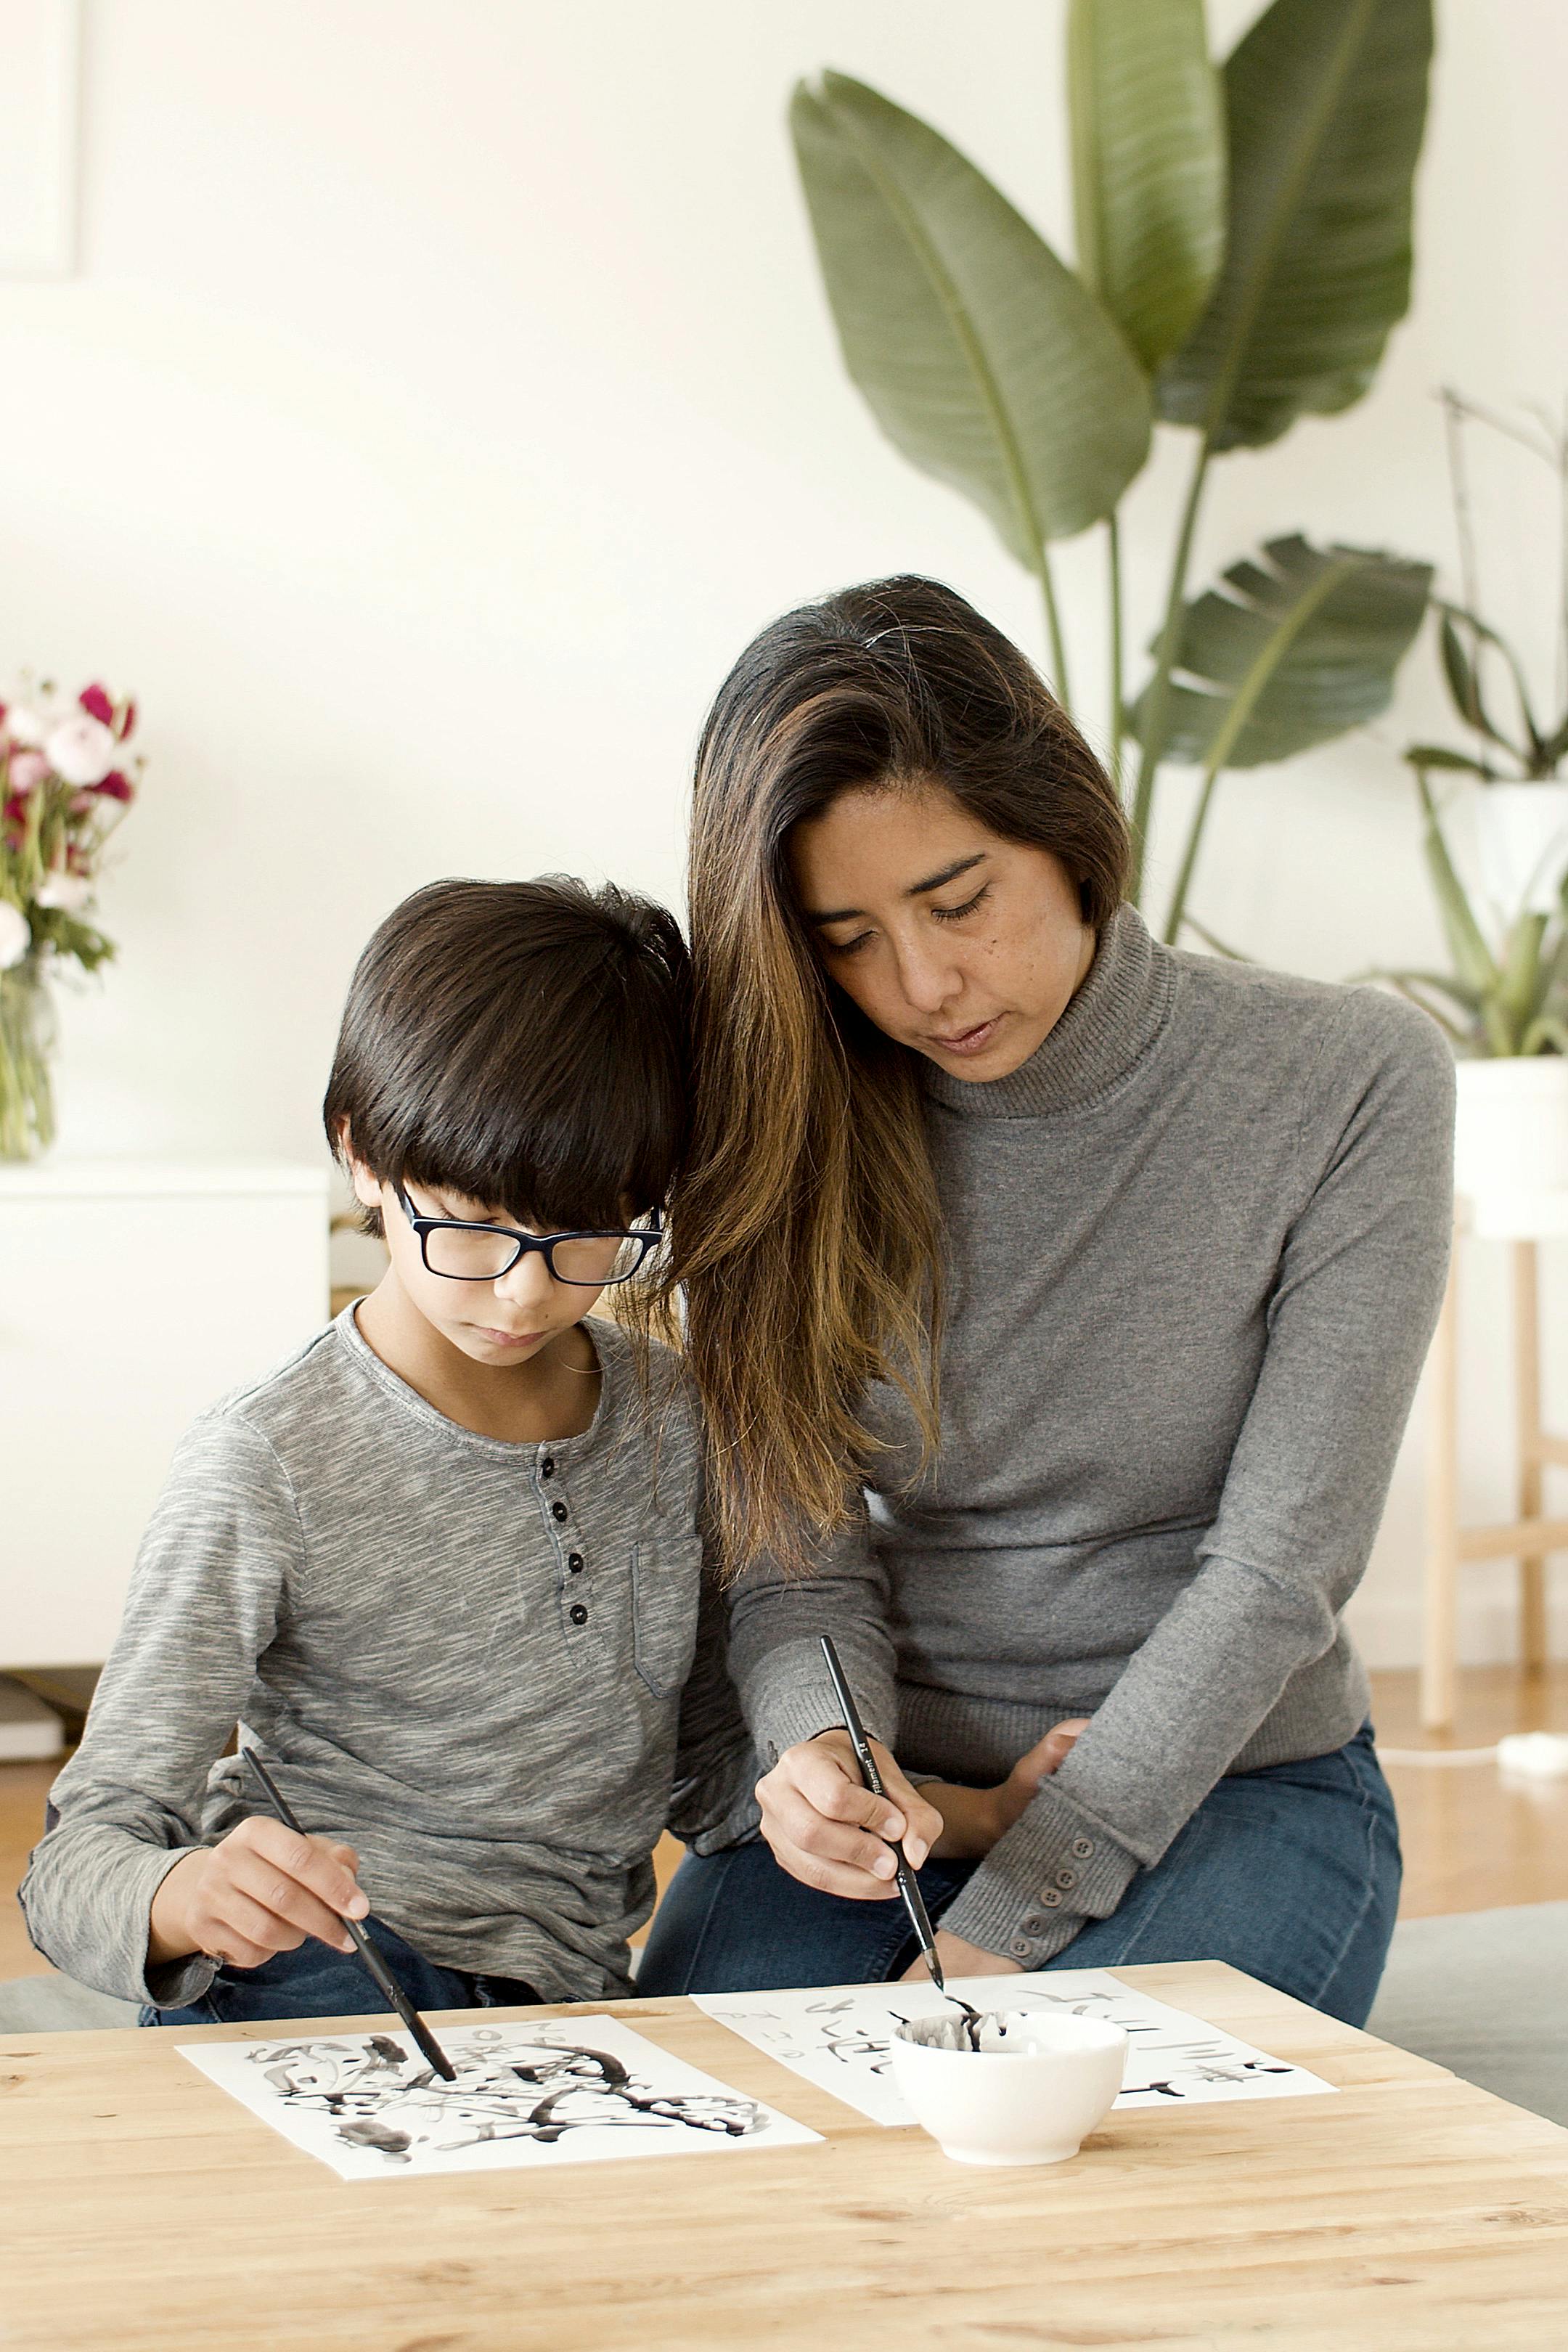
(1521,835)
(1512,1129)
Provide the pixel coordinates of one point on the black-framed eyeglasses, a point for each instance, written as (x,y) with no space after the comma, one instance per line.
(460,1252)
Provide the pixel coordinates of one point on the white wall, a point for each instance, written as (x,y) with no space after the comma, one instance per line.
(447,393)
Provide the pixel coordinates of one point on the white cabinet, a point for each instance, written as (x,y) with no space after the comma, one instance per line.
(131,1295)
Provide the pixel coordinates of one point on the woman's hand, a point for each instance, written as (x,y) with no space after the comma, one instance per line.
(960,1960)
(828,1830)
(974,1819)
(260,1890)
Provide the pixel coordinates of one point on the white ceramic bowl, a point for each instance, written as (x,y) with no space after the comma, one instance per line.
(1029,2095)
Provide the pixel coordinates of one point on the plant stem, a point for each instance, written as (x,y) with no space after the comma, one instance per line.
(1159,695)
(1190,857)
(1243,702)
(1455,411)
(1054,631)
(1118,702)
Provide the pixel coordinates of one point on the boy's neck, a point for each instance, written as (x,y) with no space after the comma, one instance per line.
(555,1394)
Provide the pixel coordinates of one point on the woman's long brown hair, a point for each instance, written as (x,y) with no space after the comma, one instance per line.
(805,1226)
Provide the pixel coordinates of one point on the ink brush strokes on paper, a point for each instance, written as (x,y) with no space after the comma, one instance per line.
(369,2105)
(837,2038)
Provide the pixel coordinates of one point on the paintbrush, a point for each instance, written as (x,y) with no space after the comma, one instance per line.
(386,1984)
(903,1876)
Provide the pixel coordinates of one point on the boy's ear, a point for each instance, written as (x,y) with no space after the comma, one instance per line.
(367,1190)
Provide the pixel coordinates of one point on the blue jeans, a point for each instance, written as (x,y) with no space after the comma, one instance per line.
(316,1982)
(1290,1873)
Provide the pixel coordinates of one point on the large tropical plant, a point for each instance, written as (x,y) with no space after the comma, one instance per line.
(1243,251)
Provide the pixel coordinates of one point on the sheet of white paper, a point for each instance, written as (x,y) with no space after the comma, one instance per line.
(565,2091)
(837,2036)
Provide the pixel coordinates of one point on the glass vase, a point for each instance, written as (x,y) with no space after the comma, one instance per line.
(26,1040)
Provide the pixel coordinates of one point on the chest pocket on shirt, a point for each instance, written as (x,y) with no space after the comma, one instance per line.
(667,1583)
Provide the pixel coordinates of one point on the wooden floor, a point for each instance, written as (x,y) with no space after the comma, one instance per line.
(1472,1841)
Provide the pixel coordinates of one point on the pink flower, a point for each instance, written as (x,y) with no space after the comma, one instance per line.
(114,787)
(25,726)
(95,701)
(68,892)
(27,770)
(127,721)
(80,750)
(15,935)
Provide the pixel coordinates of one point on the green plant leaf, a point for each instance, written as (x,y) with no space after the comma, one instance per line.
(984,358)
(1215,946)
(1473,959)
(1521,981)
(1554,750)
(1325,106)
(1304,645)
(1463,672)
(1467,999)
(1459,676)
(1462,677)
(1546,1035)
(1437,755)
(1148,153)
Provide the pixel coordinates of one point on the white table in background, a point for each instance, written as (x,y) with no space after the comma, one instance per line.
(132,1293)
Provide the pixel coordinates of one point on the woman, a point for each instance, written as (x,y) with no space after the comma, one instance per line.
(1057,1300)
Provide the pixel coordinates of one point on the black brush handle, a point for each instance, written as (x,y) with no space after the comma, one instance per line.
(903,1876)
(386,1983)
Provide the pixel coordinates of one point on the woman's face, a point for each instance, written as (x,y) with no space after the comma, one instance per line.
(963,945)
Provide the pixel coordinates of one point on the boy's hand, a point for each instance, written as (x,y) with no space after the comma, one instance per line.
(825,1827)
(262,1889)
(974,1819)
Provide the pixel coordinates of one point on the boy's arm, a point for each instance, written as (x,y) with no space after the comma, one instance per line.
(204,1602)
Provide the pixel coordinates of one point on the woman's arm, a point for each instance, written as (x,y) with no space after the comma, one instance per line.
(777,1624)
(128,1807)
(1350,1315)
(825,1827)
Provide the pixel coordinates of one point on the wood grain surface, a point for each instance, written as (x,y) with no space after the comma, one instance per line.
(145,2211)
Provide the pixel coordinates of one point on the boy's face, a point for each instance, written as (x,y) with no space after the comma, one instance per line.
(503,1322)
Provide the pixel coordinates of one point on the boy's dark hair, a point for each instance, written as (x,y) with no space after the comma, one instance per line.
(522,1043)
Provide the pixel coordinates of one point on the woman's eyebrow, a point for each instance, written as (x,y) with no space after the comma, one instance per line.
(915,890)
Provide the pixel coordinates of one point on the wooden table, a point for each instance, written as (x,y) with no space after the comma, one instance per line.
(142,2208)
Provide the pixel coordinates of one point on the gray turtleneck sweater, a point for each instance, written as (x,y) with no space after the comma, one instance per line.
(1196,1245)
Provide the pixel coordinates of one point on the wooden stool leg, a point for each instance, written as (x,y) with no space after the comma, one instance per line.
(1439,1650)
(1526,1394)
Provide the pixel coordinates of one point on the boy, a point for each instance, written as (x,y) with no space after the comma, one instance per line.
(444,1567)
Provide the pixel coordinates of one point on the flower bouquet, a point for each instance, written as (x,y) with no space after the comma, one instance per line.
(65,783)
